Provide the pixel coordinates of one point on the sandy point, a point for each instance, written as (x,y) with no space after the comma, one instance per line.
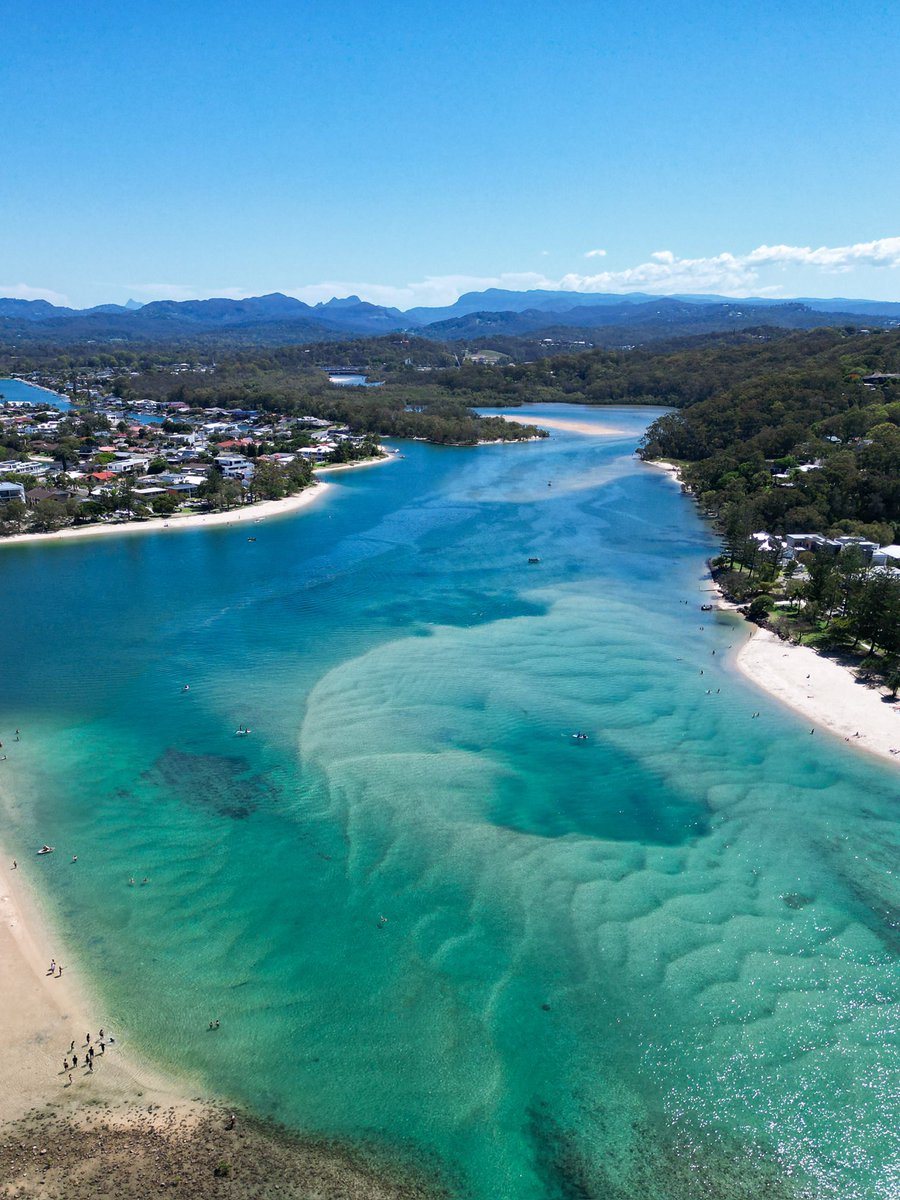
(568,425)
(42,1014)
(122,1129)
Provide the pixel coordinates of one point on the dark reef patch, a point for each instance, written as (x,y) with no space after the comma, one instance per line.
(655,1163)
(223,783)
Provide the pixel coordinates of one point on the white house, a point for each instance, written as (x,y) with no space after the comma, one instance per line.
(11,491)
(124,466)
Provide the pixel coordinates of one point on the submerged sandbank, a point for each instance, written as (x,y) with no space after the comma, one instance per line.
(827,694)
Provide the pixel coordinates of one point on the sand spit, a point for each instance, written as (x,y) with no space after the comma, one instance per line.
(41,1014)
(589,428)
(126,1153)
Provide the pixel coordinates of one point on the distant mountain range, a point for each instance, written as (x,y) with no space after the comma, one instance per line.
(474,316)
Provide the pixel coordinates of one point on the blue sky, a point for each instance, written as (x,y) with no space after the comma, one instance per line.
(408,152)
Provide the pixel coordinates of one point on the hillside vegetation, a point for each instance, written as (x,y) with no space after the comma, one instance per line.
(800,402)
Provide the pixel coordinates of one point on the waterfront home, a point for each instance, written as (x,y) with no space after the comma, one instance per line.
(11,491)
(235,466)
(25,466)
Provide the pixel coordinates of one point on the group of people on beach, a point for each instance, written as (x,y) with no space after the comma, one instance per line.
(87,1059)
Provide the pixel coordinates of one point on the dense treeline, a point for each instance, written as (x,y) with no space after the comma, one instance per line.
(746,397)
(798,443)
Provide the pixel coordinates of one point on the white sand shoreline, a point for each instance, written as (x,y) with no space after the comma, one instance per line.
(40,1015)
(234,516)
(670,469)
(823,692)
(565,424)
(249,514)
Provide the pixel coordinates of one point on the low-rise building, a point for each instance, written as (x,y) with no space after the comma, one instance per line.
(11,491)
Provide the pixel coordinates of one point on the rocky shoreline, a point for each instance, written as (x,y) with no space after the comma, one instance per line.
(128,1153)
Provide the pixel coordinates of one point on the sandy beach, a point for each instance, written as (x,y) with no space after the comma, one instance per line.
(40,1015)
(123,1130)
(248,515)
(669,468)
(263,511)
(823,692)
(567,425)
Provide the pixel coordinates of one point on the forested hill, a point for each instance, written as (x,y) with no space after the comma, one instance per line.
(799,434)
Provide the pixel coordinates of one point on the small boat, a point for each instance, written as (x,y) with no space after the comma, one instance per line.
(241,732)
(45,850)
(534,560)
(706,608)
(251,539)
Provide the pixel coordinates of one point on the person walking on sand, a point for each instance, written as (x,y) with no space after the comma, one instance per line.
(59,976)
(70,1079)
(74,1060)
(90,1065)
(15,865)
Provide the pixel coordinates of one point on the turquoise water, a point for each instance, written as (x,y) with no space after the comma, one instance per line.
(17,389)
(658,963)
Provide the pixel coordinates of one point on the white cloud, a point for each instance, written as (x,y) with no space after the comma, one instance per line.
(760,272)
(734,274)
(755,273)
(884,252)
(23,291)
(182,291)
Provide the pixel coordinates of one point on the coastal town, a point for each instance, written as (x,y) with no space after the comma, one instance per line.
(103,461)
